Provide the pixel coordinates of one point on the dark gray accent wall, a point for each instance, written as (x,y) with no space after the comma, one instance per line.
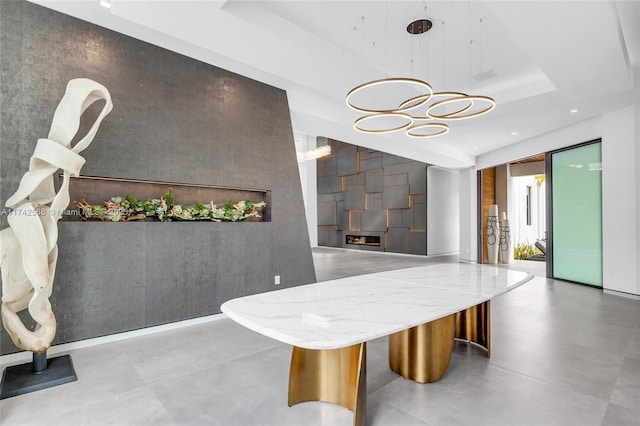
(371,193)
(174,119)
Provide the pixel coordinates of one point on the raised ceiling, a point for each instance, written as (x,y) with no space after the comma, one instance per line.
(538,59)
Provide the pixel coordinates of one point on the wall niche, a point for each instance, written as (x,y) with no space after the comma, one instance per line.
(96,190)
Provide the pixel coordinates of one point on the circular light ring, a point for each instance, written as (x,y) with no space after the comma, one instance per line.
(443,129)
(364,118)
(455,95)
(402,80)
(456,115)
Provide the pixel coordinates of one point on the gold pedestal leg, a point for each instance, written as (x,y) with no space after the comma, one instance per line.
(423,353)
(331,375)
(474,325)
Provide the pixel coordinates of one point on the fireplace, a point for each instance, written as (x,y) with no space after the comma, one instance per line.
(364,240)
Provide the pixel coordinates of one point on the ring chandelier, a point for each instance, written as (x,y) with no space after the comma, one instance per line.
(417,126)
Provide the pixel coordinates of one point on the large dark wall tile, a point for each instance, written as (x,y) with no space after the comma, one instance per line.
(174,119)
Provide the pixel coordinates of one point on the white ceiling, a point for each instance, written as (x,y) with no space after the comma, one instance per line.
(539,59)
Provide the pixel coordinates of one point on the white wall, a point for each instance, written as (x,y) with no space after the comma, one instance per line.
(620,188)
(308,179)
(619,201)
(443,211)
(468,213)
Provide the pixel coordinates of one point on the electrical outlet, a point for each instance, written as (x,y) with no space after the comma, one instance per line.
(276,279)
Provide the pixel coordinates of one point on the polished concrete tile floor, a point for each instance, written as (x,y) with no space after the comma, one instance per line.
(562,354)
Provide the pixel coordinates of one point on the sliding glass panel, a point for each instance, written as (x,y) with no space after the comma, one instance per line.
(577,214)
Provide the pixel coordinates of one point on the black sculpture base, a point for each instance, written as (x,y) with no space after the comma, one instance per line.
(40,374)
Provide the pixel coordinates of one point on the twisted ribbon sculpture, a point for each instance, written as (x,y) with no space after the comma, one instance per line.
(28,248)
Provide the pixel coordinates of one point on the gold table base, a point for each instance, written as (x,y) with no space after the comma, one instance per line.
(421,353)
(474,325)
(331,375)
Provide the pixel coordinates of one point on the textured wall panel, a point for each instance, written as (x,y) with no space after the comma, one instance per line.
(355,180)
(419,216)
(417,243)
(395,180)
(329,166)
(355,220)
(374,220)
(174,119)
(366,154)
(347,160)
(407,218)
(326,197)
(418,180)
(329,184)
(354,199)
(327,213)
(370,163)
(397,240)
(389,159)
(395,197)
(373,181)
(395,218)
(377,200)
(343,216)
(388,181)
(329,236)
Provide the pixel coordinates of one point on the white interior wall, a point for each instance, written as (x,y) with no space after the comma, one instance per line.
(619,195)
(468,225)
(443,211)
(620,187)
(308,180)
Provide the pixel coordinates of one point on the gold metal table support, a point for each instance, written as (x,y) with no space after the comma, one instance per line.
(331,375)
(422,353)
(474,325)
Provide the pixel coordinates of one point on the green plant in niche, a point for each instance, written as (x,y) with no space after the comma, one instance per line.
(128,208)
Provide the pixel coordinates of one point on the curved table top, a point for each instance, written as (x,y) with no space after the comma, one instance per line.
(346,311)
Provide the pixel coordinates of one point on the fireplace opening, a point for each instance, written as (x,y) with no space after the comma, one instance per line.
(363,240)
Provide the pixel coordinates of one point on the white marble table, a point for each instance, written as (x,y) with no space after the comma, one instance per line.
(422,309)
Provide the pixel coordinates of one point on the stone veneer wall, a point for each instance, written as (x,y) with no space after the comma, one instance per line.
(361,191)
(174,119)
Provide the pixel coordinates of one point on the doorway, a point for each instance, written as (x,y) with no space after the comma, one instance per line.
(554,205)
(574,213)
(518,189)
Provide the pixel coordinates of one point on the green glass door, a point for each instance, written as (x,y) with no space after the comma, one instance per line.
(576,210)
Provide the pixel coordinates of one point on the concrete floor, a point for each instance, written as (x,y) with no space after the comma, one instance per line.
(562,354)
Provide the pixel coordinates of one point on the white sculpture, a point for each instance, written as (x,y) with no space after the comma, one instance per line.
(505,239)
(28,248)
(493,234)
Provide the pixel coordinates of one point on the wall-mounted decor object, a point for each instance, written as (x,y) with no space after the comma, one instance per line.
(28,248)
(493,234)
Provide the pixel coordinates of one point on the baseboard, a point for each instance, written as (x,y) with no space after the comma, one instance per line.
(25,356)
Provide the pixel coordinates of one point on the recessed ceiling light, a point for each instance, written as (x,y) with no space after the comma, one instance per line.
(105,3)
(514,133)
(475,147)
(573,111)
